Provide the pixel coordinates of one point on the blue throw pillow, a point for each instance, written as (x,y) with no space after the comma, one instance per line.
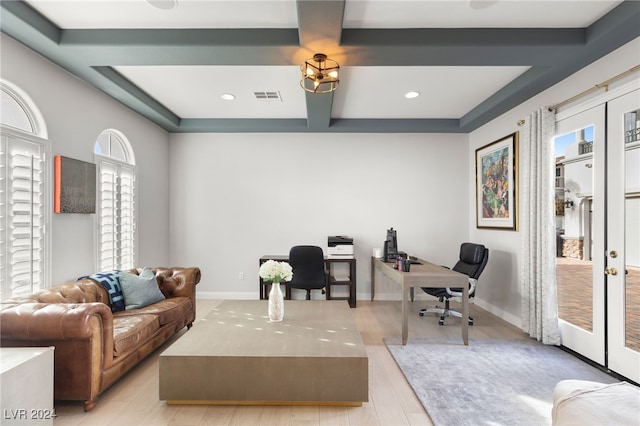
(110,282)
(140,290)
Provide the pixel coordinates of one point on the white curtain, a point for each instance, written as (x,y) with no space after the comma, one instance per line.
(537,218)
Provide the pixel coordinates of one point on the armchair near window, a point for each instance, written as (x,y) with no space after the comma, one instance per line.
(473,259)
(309,273)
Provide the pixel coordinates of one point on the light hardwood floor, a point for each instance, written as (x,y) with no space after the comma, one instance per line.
(134,399)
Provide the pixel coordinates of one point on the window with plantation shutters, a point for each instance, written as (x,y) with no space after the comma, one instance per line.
(25,208)
(117,206)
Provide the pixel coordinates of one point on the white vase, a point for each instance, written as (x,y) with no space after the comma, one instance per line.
(276,303)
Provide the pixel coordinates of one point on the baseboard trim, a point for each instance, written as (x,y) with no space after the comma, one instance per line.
(271,403)
(510,318)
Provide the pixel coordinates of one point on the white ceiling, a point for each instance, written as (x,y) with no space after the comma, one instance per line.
(365,92)
(357,13)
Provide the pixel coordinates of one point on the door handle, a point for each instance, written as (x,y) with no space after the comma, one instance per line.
(611,271)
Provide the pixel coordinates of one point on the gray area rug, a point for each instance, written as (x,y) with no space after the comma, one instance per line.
(489,382)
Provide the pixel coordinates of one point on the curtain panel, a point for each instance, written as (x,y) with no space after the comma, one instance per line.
(537,213)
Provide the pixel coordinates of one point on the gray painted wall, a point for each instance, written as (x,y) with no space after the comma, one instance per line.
(254,194)
(75,114)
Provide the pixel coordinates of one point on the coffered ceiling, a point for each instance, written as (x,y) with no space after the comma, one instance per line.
(470,60)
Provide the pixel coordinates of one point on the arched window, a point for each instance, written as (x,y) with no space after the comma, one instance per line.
(25,194)
(117,215)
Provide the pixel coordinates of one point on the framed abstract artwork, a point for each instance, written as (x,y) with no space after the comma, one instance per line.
(74,186)
(497,184)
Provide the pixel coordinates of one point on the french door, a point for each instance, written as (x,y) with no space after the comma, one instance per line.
(598,244)
(623,235)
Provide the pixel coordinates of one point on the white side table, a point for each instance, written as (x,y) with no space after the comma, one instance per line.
(26,386)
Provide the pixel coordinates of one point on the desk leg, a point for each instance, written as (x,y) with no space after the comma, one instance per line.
(465,314)
(405,316)
(373,278)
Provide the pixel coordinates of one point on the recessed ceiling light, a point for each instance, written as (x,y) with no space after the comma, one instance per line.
(163,4)
(227,96)
(411,95)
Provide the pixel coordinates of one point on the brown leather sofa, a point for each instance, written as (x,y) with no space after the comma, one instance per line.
(93,346)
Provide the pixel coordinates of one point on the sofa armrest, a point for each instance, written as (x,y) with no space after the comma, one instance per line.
(82,334)
(54,321)
(178,282)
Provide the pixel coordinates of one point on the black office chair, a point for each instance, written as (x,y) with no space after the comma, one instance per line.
(309,274)
(473,259)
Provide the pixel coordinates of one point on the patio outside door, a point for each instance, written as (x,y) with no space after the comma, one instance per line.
(598,222)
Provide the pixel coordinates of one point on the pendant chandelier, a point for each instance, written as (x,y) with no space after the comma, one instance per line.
(320,74)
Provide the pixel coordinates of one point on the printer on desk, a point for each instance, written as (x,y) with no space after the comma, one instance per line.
(340,247)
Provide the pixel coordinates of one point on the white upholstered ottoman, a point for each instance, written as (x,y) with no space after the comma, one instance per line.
(579,402)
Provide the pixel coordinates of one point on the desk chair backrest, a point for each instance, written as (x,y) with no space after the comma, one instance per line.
(473,259)
(307,263)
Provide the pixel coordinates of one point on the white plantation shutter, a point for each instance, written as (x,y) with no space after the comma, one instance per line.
(127,218)
(24,238)
(116,216)
(3,217)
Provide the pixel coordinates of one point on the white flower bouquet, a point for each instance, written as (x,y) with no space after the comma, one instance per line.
(273,271)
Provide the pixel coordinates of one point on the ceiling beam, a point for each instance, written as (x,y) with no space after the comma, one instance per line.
(319,29)
(378,47)
(201,125)
(320,23)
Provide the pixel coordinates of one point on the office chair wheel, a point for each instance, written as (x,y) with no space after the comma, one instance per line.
(441,321)
(470,321)
(421,313)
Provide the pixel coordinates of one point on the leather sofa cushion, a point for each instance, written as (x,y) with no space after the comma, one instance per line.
(130,330)
(167,310)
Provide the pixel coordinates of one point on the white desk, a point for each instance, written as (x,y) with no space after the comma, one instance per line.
(424,275)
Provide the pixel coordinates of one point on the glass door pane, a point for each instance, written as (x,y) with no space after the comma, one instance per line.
(632,228)
(632,248)
(574,196)
(579,151)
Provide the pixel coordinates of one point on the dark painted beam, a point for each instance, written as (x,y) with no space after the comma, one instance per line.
(147,105)
(319,110)
(200,125)
(320,23)
(320,29)
(33,30)
(378,47)
(240,125)
(615,29)
(427,125)
(460,46)
(182,46)
(16,13)
(522,87)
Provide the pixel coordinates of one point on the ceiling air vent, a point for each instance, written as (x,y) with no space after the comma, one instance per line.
(268,96)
